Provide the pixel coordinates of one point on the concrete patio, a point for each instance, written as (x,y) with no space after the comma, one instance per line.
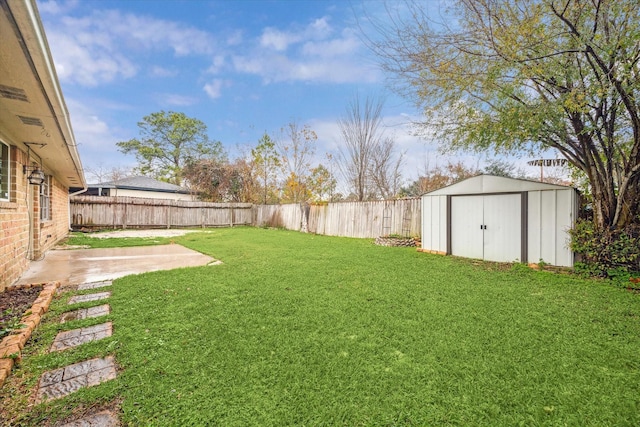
(71,267)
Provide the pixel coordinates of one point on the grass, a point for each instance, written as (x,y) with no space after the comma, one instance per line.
(297,329)
(90,240)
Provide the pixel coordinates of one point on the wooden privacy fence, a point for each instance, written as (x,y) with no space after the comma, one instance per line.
(137,212)
(348,219)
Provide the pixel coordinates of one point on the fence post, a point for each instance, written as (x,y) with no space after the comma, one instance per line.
(124,217)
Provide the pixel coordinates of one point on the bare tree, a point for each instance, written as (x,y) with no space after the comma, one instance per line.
(385,169)
(296,146)
(365,148)
(102,173)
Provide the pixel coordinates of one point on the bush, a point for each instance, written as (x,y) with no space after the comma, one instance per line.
(606,253)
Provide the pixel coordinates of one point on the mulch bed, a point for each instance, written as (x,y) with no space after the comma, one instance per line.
(14,303)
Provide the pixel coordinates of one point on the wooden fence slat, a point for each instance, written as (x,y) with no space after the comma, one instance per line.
(348,219)
(136,212)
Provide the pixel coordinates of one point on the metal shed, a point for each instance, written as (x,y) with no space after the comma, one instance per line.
(501,219)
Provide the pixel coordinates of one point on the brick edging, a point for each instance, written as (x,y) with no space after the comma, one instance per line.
(11,346)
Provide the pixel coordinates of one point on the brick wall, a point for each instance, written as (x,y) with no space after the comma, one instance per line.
(15,250)
(14,223)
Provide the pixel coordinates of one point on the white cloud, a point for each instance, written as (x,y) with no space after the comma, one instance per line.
(95,137)
(277,40)
(214,89)
(56,7)
(273,38)
(173,99)
(88,65)
(313,54)
(235,38)
(217,64)
(158,71)
(89,130)
(279,68)
(346,45)
(103,46)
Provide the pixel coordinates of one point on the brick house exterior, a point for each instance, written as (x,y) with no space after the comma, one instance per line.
(35,134)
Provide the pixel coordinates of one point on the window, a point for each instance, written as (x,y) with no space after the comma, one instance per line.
(4,172)
(45,199)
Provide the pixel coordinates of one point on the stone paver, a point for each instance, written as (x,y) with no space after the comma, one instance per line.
(100,419)
(64,381)
(94,285)
(75,337)
(85,313)
(89,297)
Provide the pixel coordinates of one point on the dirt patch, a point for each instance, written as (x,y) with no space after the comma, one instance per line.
(14,303)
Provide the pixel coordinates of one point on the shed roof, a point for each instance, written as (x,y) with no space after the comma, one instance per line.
(482,184)
(143,183)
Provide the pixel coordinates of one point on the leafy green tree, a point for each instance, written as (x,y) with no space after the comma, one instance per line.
(168,140)
(499,167)
(267,162)
(530,75)
(322,184)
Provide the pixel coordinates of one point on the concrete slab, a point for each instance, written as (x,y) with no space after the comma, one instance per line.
(100,419)
(95,265)
(63,381)
(76,337)
(89,297)
(94,285)
(86,313)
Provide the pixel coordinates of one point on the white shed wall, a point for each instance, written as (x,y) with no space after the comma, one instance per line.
(434,223)
(551,213)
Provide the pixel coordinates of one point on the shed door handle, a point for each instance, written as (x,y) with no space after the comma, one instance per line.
(483,227)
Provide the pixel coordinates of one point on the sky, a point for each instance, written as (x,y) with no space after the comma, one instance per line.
(242,67)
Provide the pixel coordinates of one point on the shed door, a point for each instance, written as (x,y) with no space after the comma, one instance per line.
(466,218)
(487,227)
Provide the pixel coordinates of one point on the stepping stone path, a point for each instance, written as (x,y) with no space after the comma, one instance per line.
(101,419)
(94,285)
(76,337)
(86,313)
(64,381)
(89,297)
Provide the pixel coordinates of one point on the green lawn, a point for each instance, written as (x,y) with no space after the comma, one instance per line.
(297,329)
(89,239)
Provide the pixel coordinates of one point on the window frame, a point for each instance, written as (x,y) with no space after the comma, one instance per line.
(45,199)
(5,172)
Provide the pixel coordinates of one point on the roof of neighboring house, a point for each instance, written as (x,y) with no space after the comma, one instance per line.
(33,113)
(142,183)
(485,183)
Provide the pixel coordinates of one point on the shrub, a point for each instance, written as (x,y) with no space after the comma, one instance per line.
(606,253)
